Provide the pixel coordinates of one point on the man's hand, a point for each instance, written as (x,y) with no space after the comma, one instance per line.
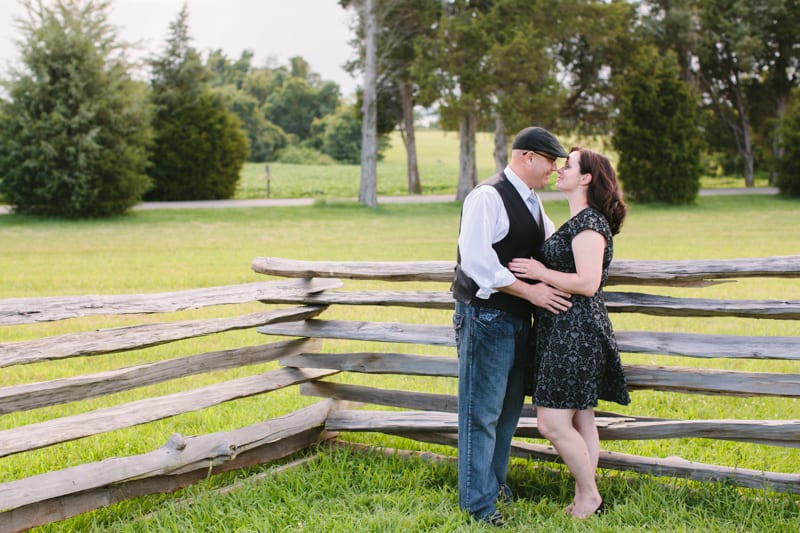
(540,295)
(547,297)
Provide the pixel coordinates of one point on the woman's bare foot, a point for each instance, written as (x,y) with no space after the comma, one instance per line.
(587,508)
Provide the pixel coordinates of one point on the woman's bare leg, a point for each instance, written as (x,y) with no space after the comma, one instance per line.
(557,426)
(583,421)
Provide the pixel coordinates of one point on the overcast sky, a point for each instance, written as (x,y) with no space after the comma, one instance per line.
(317,30)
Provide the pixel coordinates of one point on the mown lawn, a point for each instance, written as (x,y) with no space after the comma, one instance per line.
(165,250)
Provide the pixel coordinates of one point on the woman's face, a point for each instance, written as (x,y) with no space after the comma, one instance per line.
(569,175)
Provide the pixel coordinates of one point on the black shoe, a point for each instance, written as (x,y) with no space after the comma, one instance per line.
(494,519)
(601,509)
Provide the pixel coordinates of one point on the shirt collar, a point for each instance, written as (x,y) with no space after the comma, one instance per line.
(524,191)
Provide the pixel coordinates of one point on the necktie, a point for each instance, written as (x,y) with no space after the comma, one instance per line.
(533,205)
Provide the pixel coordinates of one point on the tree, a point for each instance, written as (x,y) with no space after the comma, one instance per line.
(726,64)
(199,145)
(781,57)
(299,99)
(368,27)
(260,83)
(595,47)
(244,92)
(74,134)
(227,72)
(340,135)
(265,138)
(657,133)
(368,189)
(453,68)
(743,57)
(524,92)
(788,181)
(400,23)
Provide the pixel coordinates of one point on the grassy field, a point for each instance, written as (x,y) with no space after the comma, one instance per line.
(154,251)
(437,152)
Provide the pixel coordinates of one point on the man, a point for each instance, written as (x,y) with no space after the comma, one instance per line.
(501,219)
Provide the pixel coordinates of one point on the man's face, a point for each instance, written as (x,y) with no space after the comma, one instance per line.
(540,166)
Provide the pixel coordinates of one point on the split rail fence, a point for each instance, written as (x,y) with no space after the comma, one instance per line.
(430,417)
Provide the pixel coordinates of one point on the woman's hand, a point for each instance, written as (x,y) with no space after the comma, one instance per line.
(527,268)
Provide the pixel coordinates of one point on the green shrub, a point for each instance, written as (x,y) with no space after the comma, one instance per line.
(300,155)
(657,134)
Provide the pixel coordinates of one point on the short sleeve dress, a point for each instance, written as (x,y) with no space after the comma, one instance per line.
(576,359)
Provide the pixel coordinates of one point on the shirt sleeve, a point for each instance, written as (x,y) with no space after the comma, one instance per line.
(483,222)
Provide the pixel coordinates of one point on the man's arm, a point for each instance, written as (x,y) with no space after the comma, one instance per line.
(540,295)
(483,222)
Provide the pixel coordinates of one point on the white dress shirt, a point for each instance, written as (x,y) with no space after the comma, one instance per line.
(484,221)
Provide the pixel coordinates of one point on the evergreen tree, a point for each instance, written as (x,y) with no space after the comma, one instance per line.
(656,132)
(199,146)
(75,130)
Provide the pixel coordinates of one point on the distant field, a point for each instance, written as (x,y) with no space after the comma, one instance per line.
(437,153)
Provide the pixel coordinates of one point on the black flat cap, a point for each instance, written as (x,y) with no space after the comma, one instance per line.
(538,139)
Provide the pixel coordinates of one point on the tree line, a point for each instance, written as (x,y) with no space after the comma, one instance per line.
(81,137)
(682,87)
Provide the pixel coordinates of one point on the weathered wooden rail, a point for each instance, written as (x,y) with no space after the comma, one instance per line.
(424,416)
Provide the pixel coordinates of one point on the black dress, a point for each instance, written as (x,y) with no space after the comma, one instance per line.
(577,360)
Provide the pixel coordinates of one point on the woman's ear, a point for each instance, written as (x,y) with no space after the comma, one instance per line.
(586,179)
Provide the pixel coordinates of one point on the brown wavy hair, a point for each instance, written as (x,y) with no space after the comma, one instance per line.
(604,193)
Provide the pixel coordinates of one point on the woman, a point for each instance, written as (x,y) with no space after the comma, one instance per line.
(577,358)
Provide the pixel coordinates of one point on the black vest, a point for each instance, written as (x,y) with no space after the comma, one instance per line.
(524,239)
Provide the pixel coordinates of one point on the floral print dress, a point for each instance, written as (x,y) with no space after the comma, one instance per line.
(576,359)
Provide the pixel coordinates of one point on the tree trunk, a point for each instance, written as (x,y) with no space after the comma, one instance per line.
(467,169)
(500,144)
(414,185)
(749,172)
(368,191)
(777,136)
(746,146)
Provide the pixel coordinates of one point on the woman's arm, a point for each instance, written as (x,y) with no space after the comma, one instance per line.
(588,248)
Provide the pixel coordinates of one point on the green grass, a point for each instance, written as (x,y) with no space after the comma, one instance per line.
(437,153)
(165,250)
(342,491)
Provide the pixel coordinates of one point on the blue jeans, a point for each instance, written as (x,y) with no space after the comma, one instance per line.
(491,348)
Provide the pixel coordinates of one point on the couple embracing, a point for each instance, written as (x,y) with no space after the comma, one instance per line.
(514,265)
